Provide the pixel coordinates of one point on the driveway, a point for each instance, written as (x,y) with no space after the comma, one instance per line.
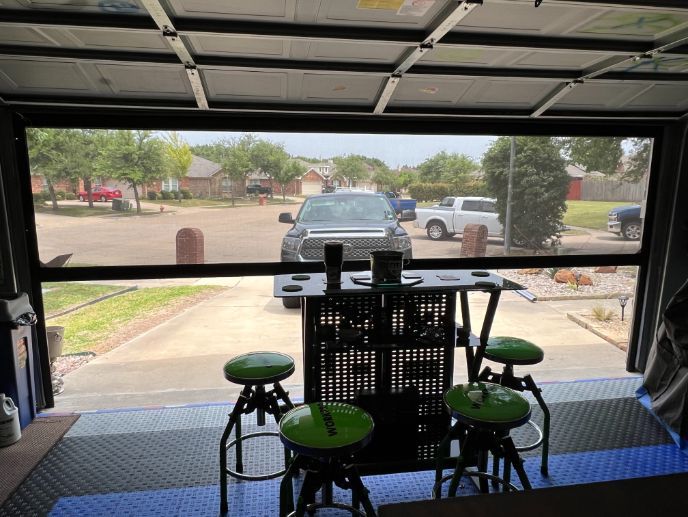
(242,234)
(180,361)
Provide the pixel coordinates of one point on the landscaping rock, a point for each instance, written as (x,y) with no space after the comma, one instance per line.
(565,276)
(606,269)
(604,285)
(530,271)
(585,280)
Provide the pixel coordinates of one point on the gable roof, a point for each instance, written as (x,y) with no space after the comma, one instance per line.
(202,168)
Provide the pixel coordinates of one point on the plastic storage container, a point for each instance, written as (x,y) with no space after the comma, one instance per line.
(10,431)
(16,355)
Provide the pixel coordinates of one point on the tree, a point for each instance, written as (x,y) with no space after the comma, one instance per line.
(136,157)
(350,168)
(386,180)
(270,158)
(178,156)
(236,159)
(92,141)
(63,154)
(290,170)
(594,154)
(452,168)
(540,185)
(639,161)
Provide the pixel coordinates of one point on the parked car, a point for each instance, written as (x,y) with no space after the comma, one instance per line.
(101,194)
(626,221)
(454,213)
(254,190)
(398,203)
(363,222)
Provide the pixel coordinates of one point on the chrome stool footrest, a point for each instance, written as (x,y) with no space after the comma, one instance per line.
(537,442)
(247,477)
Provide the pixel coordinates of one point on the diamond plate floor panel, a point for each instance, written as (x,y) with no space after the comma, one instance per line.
(584,390)
(165,461)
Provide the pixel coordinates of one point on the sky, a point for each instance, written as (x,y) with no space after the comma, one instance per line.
(394,150)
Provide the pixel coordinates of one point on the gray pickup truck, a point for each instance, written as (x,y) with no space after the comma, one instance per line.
(363,222)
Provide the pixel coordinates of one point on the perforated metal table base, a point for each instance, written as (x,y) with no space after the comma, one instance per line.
(164,462)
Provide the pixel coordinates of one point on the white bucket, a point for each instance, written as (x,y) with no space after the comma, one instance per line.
(10,431)
(55,341)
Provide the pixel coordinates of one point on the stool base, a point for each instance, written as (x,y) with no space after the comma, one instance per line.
(252,398)
(323,474)
(477,443)
(508,379)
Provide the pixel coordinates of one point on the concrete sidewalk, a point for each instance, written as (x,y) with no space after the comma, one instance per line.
(180,361)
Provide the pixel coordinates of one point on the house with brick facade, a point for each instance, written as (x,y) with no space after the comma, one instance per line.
(205,179)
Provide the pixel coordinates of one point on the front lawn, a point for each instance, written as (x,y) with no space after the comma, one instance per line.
(63,295)
(221,203)
(589,214)
(91,328)
(101,209)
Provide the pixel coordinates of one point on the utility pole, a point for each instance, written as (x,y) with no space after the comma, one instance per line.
(507,222)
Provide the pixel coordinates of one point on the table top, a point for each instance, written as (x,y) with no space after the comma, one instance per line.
(313,284)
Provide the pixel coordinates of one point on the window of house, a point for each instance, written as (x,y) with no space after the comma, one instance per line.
(170,185)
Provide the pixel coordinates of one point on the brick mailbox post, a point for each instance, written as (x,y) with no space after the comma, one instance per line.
(190,246)
(474,243)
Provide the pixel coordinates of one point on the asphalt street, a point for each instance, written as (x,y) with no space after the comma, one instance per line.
(243,234)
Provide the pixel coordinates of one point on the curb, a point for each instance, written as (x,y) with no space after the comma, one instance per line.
(586,324)
(91,302)
(607,296)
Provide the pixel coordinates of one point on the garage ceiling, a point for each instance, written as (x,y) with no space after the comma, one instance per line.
(614,58)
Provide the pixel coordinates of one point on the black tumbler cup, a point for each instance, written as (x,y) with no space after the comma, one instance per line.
(334,256)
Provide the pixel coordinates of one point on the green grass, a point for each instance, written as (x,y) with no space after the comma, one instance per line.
(190,202)
(589,214)
(87,327)
(221,203)
(85,211)
(64,295)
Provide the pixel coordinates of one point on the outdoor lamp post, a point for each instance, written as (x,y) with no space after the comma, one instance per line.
(623,300)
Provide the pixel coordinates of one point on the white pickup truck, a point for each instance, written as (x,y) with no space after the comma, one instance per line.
(454,213)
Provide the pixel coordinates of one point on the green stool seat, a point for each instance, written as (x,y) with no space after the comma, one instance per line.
(324,435)
(258,368)
(513,350)
(484,413)
(324,429)
(487,405)
(253,370)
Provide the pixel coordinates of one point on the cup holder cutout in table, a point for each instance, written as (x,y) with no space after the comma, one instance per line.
(480,273)
(301,278)
(292,288)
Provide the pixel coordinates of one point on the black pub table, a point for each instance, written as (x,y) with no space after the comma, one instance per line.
(389,349)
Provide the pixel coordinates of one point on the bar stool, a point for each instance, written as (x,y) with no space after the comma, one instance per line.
(254,370)
(484,413)
(324,435)
(511,351)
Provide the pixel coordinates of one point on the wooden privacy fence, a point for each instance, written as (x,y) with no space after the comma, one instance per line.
(603,189)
